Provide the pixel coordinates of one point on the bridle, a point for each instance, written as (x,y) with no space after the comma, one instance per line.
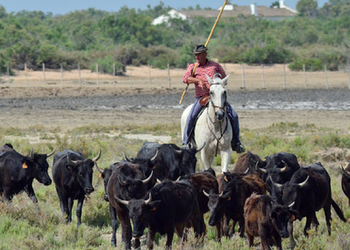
(222,132)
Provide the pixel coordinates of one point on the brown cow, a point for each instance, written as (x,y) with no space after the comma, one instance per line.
(266,219)
(228,204)
(249,163)
(204,183)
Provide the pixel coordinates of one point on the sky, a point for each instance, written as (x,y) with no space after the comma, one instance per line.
(62,7)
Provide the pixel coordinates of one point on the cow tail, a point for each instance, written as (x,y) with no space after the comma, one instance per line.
(338,210)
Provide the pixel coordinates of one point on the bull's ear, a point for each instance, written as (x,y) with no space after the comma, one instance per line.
(273,215)
(153,205)
(71,167)
(227,195)
(226,177)
(292,217)
(26,163)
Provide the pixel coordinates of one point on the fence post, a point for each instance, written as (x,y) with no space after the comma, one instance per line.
(305,80)
(25,73)
(132,81)
(149,73)
(61,76)
(44,74)
(113,74)
(349,79)
(168,66)
(8,75)
(80,82)
(325,73)
(284,76)
(262,76)
(98,79)
(243,77)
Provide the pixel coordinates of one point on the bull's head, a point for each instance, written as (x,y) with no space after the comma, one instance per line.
(140,212)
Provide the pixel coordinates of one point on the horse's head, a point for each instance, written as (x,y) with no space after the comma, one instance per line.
(218,95)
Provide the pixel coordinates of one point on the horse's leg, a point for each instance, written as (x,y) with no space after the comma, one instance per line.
(207,159)
(225,159)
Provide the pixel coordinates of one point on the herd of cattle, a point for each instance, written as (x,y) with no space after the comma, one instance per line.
(160,190)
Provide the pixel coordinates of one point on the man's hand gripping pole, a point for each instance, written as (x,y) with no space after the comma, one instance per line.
(206,44)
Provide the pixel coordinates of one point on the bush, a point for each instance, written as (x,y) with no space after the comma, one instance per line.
(267,55)
(311,64)
(105,65)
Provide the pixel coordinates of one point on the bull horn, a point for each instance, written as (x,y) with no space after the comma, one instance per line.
(127,158)
(291,204)
(285,167)
(31,153)
(205,193)
(246,171)
(262,170)
(221,194)
(71,162)
(48,155)
(124,202)
(201,147)
(346,173)
(282,169)
(278,185)
(155,156)
(256,165)
(122,183)
(304,182)
(178,178)
(159,181)
(145,181)
(149,199)
(97,157)
(98,169)
(177,151)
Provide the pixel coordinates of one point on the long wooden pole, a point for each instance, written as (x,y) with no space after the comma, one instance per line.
(206,44)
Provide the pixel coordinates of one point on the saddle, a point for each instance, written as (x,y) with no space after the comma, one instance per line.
(203,101)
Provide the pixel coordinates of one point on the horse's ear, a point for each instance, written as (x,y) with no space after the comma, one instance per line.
(224,81)
(209,79)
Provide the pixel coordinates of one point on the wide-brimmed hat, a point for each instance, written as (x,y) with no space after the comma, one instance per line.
(199,49)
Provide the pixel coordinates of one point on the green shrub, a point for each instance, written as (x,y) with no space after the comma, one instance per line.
(105,65)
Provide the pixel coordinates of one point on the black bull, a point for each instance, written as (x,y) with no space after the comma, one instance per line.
(127,181)
(17,173)
(72,175)
(168,207)
(308,191)
(170,161)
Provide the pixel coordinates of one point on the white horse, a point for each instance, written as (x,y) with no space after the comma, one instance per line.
(213,129)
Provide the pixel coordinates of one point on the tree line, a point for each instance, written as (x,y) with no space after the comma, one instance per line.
(314,38)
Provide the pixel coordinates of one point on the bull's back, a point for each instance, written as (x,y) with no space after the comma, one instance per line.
(204,181)
(255,213)
(178,201)
(254,184)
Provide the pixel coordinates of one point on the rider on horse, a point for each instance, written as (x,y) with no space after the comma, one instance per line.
(198,78)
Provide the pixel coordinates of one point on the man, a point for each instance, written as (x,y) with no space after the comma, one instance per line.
(198,78)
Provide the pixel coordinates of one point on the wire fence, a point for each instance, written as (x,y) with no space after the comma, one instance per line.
(241,77)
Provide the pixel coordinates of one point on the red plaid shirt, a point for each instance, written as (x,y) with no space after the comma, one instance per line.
(210,69)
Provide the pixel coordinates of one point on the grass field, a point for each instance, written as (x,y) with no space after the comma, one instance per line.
(22,227)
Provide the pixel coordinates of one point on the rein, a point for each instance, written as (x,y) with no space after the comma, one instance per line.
(212,122)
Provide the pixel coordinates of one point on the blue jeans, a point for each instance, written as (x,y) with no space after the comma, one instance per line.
(191,119)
